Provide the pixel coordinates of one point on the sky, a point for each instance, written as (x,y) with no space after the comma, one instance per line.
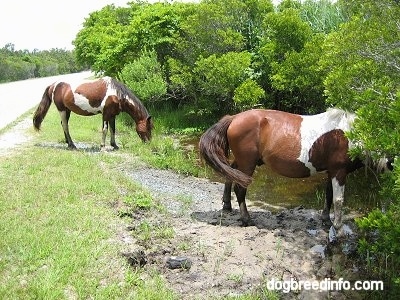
(44,24)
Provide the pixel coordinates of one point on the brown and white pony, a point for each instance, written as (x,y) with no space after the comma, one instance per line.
(105,96)
(292,145)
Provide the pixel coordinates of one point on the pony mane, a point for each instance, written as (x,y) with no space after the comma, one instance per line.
(342,117)
(123,92)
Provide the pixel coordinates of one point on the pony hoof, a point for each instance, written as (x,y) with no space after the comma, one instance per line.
(248,222)
(72,147)
(115,147)
(227,208)
(326,220)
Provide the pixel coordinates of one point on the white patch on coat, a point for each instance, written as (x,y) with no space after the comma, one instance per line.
(112,91)
(83,103)
(54,89)
(314,126)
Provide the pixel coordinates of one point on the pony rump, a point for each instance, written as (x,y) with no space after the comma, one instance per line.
(214,148)
(42,109)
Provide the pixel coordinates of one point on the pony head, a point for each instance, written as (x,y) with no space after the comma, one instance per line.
(144,128)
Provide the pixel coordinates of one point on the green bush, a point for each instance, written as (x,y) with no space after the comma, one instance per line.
(144,76)
(379,245)
(248,94)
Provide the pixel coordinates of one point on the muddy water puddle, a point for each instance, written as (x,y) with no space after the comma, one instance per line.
(274,192)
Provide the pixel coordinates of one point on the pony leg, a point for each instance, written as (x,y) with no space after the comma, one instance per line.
(338,198)
(227,197)
(241,196)
(104,135)
(112,130)
(65,114)
(246,162)
(328,202)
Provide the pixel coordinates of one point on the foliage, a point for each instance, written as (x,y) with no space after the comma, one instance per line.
(220,76)
(248,94)
(24,64)
(144,76)
(362,61)
(323,16)
(190,37)
(364,72)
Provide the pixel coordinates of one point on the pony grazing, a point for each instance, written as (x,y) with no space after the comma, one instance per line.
(292,145)
(105,96)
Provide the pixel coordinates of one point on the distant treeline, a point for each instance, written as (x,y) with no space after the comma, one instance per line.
(24,64)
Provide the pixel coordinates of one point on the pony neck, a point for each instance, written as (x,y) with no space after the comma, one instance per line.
(135,109)
(129,102)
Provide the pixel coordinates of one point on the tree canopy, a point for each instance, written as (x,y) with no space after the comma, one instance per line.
(210,50)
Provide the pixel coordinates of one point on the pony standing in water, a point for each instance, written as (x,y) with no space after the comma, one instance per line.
(292,145)
(104,95)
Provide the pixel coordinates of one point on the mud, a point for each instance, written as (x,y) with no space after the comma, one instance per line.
(228,259)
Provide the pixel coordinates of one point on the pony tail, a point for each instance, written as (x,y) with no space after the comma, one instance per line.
(214,148)
(42,109)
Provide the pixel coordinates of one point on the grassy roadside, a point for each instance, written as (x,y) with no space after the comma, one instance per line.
(59,225)
(60,213)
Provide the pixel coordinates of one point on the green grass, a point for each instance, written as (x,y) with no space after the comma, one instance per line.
(55,223)
(58,224)
(61,211)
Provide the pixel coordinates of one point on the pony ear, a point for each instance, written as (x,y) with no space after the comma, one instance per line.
(150,122)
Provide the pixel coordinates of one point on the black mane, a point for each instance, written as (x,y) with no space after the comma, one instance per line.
(123,92)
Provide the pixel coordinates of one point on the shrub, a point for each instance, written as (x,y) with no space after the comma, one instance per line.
(248,94)
(144,76)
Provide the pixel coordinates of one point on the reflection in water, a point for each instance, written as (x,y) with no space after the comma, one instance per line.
(272,191)
(275,192)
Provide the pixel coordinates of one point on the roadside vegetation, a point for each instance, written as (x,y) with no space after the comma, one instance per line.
(191,63)
(59,222)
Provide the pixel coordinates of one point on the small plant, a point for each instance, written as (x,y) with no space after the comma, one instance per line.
(146,231)
(186,201)
(229,247)
(279,248)
(140,200)
(235,277)
(184,246)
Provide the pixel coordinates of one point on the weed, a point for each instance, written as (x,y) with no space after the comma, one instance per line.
(278,248)
(186,202)
(184,246)
(235,277)
(140,200)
